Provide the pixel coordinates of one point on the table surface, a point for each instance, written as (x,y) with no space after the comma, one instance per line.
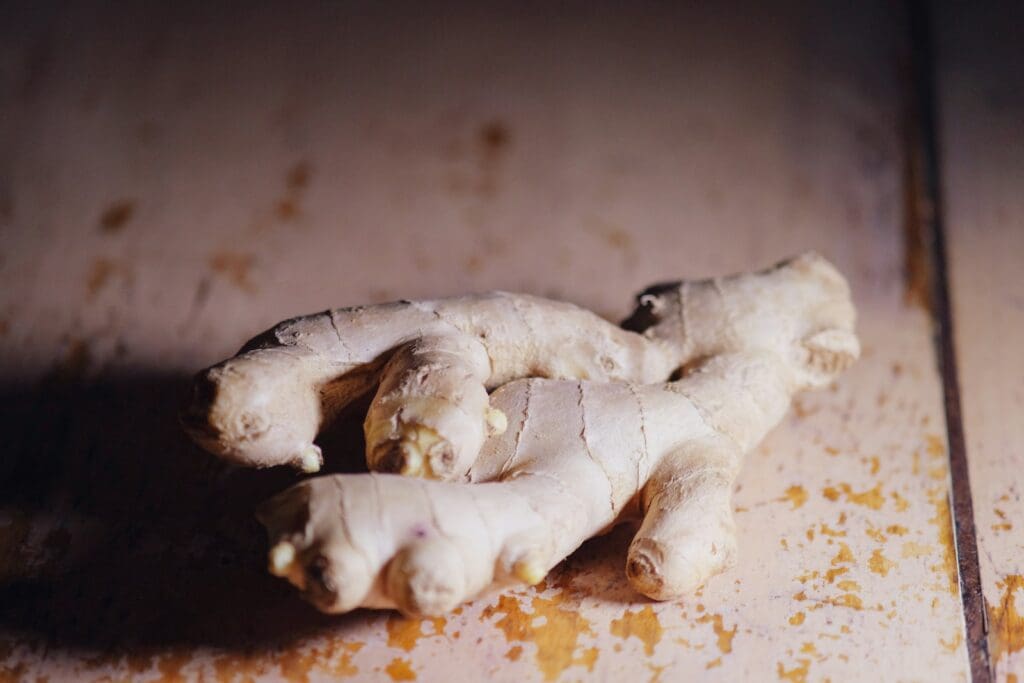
(175,179)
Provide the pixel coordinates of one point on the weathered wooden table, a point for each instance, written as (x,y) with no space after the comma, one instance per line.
(175,179)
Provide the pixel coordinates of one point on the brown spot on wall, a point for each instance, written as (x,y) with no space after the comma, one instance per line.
(298,176)
(98,276)
(514,653)
(494,137)
(288,207)
(797,619)
(473,265)
(235,267)
(116,216)
(103,270)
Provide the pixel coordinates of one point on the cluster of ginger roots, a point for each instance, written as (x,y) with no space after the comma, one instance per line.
(508,429)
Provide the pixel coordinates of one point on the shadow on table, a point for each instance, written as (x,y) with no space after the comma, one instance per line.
(119,537)
(118,534)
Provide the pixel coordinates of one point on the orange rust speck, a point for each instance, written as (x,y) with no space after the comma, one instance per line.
(101,272)
(724,636)
(556,639)
(404,633)
(872,498)
(954,643)
(912,549)
(170,666)
(845,555)
(847,600)
(1007,633)
(642,624)
(935,446)
(235,267)
(795,495)
(294,665)
(828,531)
(116,216)
(797,674)
(298,176)
(875,464)
(880,564)
(944,522)
(514,653)
(831,574)
(797,619)
(400,670)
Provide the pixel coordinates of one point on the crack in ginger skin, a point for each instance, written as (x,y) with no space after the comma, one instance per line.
(575,457)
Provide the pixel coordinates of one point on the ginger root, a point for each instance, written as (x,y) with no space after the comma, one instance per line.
(432,362)
(577,457)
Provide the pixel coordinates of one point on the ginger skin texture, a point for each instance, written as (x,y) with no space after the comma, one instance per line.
(577,457)
(432,363)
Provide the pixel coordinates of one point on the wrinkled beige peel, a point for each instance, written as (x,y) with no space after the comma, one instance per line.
(432,364)
(570,456)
